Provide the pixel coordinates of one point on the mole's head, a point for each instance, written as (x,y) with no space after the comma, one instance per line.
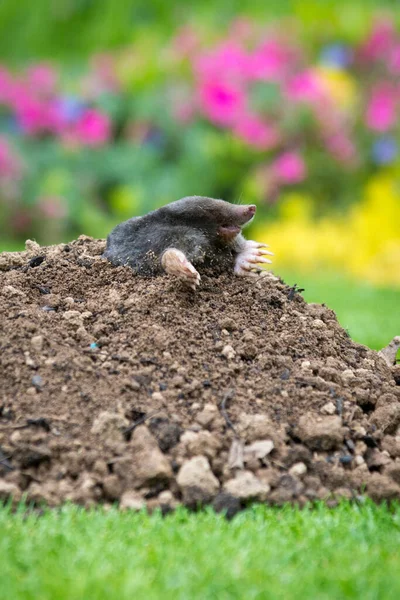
(223,219)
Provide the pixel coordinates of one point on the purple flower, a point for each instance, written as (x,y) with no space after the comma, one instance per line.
(336,55)
(71,108)
(384,150)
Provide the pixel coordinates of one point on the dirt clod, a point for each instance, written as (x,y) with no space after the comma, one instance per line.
(320,433)
(245,486)
(124,389)
(197,482)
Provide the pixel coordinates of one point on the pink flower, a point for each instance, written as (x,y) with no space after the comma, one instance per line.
(226,61)
(30,114)
(221,102)
(289,168)
(39,116)
(256,132)
(305,87)
(93,128)
(379,41)
(270,61)
(381,109)
(42,79)
(17,93)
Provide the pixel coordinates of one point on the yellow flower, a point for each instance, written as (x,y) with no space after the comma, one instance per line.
(339,84)
(364,243)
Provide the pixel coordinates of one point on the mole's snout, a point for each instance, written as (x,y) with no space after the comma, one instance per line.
(247,212)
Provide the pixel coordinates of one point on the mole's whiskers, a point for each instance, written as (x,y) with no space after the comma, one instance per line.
(239,200)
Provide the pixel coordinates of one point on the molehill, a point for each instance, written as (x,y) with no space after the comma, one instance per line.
(116,388)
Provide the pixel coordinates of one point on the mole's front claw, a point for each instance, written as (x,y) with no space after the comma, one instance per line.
(174,262)
(252,254)
(260,247)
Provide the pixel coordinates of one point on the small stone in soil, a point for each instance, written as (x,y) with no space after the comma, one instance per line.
(37,382)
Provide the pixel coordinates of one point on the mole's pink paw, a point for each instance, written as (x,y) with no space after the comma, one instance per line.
(175,263)
(252,255)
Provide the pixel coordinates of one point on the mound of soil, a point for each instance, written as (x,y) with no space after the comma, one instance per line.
(119,388)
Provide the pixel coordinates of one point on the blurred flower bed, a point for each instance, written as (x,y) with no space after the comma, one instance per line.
(305,126)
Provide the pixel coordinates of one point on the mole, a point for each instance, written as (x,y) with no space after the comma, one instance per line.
(189,235)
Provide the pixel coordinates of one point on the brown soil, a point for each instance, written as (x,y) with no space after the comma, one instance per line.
(118,388)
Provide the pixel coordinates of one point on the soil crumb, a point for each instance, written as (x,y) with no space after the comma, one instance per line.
(122,389)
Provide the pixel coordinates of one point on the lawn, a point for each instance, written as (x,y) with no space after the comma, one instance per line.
(347,552)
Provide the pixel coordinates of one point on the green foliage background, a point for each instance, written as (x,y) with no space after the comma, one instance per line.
(72,29)
(100,186)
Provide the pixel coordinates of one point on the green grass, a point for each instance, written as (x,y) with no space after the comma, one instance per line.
(349,552)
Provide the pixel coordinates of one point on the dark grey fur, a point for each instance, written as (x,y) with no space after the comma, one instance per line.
(190,225)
